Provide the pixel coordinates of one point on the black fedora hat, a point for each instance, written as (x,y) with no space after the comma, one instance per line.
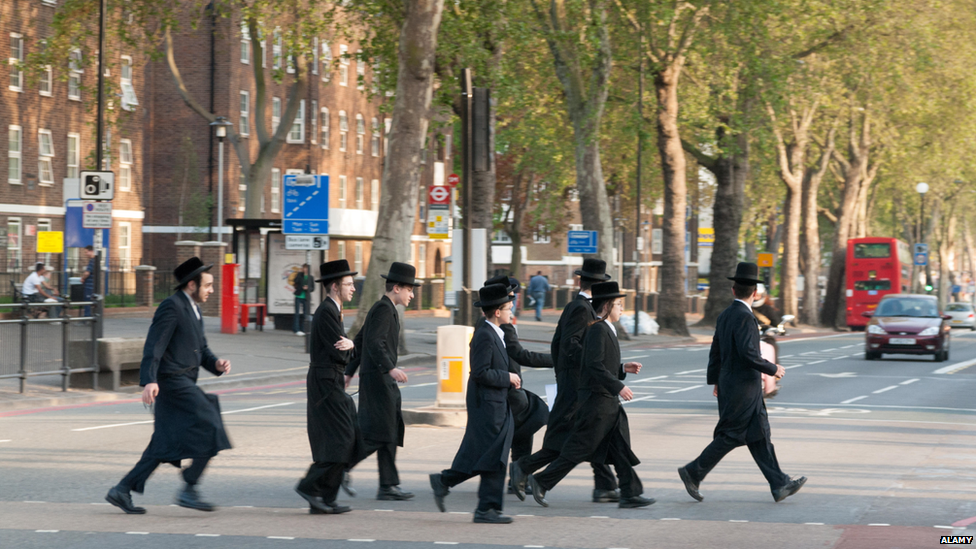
(746,273)
(504,280)
(188,270)
(605,290)
(492,295)
(335,269)
(593,269)
(402,273)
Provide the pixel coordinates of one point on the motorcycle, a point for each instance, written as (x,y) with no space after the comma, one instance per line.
(770,351)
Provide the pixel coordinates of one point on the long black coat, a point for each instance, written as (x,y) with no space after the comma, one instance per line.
(488,433)
(187,420)
(333,428)
(600,419)
(379,397)
(735,365)
(567,347)
(528,409)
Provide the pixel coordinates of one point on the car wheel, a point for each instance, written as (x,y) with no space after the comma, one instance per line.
(972,328)
(940,356)
(872,355)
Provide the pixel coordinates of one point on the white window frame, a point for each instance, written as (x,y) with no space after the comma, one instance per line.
(421,261)
(544,238)
(45,160)
(360,72)
(374,142)
(343,182)
(343,130)
(360,133)
(276,49)
(315,56)
(15,252)
(297,126)
(343,65)
(358,259)
(16,82)
(44,222)
(124,67)
(275,118)
(18,154)
(73,158)
(387,125)
(374,195)
(245,44)
(74,75)
(341,250)
(244,122)
(125,165)
(46,81)
(125,245)
(241,192)
(360,183)
(276,190)
(326,62)
(314,119)
(325,127)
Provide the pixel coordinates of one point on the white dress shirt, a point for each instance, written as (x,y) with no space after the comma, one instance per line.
(498,330)
(612,328)
(193,304)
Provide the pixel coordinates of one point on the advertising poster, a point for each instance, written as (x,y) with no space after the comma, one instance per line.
(283,265)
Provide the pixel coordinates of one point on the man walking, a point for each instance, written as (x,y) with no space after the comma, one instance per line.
(734,368)
(187,420)
(379,397)
(538,287)
(301,303)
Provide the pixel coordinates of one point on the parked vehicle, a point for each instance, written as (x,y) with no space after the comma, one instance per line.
(962,315)
(907,324)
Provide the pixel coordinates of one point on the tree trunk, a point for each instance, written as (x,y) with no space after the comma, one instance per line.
(811,235)
(791,250)
(401,170)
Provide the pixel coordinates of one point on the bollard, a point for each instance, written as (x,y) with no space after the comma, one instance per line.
(65,344)
(453,365)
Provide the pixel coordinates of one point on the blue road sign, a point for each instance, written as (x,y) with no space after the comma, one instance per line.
(582,242)
(921,248)
(956,289)
(921,259)
(306,205)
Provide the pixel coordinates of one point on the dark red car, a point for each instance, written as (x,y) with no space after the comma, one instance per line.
(907,324)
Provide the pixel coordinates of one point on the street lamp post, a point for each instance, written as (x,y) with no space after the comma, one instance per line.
(220,127)
(921,189)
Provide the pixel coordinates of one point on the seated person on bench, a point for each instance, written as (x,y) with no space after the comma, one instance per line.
(37,290)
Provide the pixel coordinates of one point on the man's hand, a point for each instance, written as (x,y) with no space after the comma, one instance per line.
(223,365)
(149,393)
(515,380)
(780,372)
(633,367)
(626,393)
(348,379)
(398,375)
(715,391)
(344,344)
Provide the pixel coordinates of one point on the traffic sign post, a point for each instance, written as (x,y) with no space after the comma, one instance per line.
(96,215)
(921,258)
(306,242)
(306,205)
(97,186)
(921,248)
(438,212)
(582,242)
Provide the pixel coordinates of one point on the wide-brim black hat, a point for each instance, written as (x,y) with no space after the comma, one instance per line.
(605,290)
(746,273)
(189,270)
(593,269)
(402,273)
(492,295)
(335,269)
(503,280)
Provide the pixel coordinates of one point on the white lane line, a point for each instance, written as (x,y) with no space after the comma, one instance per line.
(828,350)
(33,501)
(847,347)
(670,519)
(383,510)
(702,348)
(114,425)
(420,385)
(638,399)
(814,523)
(459,512)
(812,338)
(810,353)
(138,533)
(909,382)
(945,527)
(690,372)
(645,380)
(281,537)
(47,531)
(6,440)
(446,543)
(890,387)
(257,408)
(525,515)
(879,524)
(793,366)
(840,357)
(207,535)
(786,356)
(686,389)
(953,368)
(243,507)
(855,399)
(738,521)
(533,546)
(151,420)
(100,503)
(637,356)
(598,516)
(816,362)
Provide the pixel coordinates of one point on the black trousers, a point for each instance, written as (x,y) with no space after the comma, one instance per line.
(385,460)
(323,479)
(491,491)
(137,477)
(762,452)
(603,478)
(630,485)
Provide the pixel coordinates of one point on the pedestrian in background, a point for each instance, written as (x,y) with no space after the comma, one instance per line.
(333,428)
(380,417)
(187,422)
(514,283)
(735,367)
(301,304)
(538,287)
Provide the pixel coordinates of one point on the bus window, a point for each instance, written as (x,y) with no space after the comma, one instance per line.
(876,250)
(872,284)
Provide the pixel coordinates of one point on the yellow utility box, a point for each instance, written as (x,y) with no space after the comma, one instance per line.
(453,365)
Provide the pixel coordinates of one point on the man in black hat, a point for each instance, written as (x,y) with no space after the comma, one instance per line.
(187,420)
(734,368)
(333,429)
(566,354)
(379,397)
(488,433)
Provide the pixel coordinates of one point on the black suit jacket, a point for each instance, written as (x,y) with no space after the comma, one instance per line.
(327,329)
(176,344)
(379,397)
(567,351)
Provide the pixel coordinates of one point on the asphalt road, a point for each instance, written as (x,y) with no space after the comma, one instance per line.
(888,447)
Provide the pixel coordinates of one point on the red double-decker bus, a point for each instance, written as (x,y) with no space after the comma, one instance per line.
(876,267)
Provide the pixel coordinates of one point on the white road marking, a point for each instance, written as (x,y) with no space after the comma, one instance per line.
(114,425)
(257,408)
(945,527)
(33,501)
(151,420)
(810,353)
(909,382)
(533,546)
(138,533)
(47,531)
(686,389)
(383,510)
(738,521)
(7,440)
(638,356)
(793,366)
(446,543)
(243,507)
(786,356)
(282,537)
(598,516)
(890,387)
(840,357)
(816,362)
(828,350)
(670,519)
(420,385)
(459,512)
(645,380)
(814,523)
(690,372)
(525,515)
(855,399)
(207,535)
(638,399)
(845,347)
(812,338)
(97,503)
(879,524)
(953,368)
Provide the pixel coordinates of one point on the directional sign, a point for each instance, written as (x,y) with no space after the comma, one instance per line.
(97,186)
(306,205)
(438,211)
(921,259)
(306,242)
(582,242)
(96,215)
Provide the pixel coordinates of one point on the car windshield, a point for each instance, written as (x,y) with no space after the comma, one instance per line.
(907,306)
(958,307)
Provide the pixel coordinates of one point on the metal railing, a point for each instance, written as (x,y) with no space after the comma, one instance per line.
(35,347)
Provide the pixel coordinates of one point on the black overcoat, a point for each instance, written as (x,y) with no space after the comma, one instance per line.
(187,421)
(490,426)
(333,428)
(600,419)
(567,347)
(380,417)
(527,408)
(735,365)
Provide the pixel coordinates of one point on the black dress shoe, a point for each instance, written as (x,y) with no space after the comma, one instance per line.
(690,484)
(792,487)
(330,509)
(440,491)
(511,491)
(633,502)
(538,493)
(491,516)
(346,485)
(315,503)
(516,479)
(191,500)
(123,500)
(392,493)
(606,496)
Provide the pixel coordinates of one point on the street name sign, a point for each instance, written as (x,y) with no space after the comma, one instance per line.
(438,211)
(96,214)
(97,186)
(581,242)
(306,242)
(306,205)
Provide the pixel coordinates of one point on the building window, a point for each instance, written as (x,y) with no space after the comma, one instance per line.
(343,66)
(15,61)
(297,133)
(241,193)
(275,190)
(45,157)
(125,82)
(374,194)
(276,50)
(244,123)
(324,127)
(13,243)
(245,44)
(125,165)
(343,130)
(315,121)
(541,235)
(326,62)
(125,245)
(359,192)
(74,155)
(360,133)
(275,114)
(360,72)
(359,258)
(46,84)
(387,123)
(657,241)
(315,57)
(74,75)
(374,141)
(43,225)
(14,154)
(576,226)
(264,54)
(447,146)
(342,250)
(573,194)
(342,191)
(422,261)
